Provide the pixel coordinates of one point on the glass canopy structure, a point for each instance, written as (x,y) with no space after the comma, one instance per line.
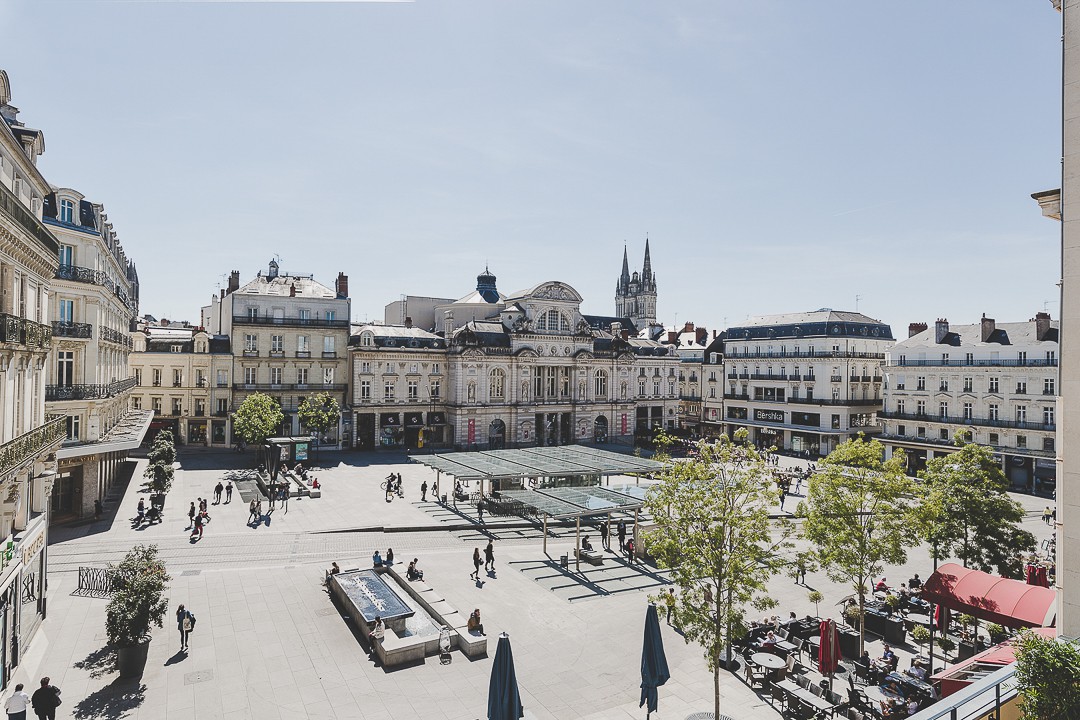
(557,461)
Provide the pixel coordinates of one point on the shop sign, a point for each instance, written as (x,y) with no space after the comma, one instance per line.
(773,416)
(32,546)
(301,451)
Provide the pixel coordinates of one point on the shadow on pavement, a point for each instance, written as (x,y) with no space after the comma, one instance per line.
(111,702)
(98,663)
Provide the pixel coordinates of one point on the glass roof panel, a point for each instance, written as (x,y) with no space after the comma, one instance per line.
(549,461)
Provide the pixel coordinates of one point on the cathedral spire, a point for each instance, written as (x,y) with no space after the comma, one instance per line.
(646,271)
(624,279)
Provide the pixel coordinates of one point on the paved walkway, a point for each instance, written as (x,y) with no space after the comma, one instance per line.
(270,644)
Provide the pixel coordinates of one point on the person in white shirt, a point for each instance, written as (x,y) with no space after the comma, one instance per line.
(15,706)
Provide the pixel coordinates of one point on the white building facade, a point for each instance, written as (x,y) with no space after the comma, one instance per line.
(995,383)
(805,382)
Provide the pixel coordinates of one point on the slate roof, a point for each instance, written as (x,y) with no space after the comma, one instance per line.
(825,322)
(306,286)
(1018,333)
(398,337)
(604,322)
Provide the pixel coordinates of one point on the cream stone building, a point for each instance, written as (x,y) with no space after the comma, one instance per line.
(182,374)
(29,438)
(289,337)
(805,382)
(95,298)
(994,382)
(398,386)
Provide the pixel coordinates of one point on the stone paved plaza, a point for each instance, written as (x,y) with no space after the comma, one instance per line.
(269,643)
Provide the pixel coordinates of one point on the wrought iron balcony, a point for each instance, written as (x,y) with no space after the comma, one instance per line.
(822,355)
(954,420)
(314,387)
(836,378)
(114,336)
(291,322)
(994,362)
(29,445)
(62,328)
(87,392)
(21,331)
(27,220)
(76,273)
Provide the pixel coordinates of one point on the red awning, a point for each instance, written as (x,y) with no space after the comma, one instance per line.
(1011,603)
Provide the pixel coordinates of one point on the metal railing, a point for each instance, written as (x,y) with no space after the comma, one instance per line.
(114,336)
(953,420)
(857,402)
(292,322)
(16,452)
(1046,362)
(76,273)
(27,220)
(87,392)
(810,355)
(61,328)
(333,387)
(24,332)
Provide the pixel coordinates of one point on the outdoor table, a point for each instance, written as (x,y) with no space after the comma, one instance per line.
(815,643)
(785,646)
(919,618)
(911,682)
(768,660)
(806,696)
(880,694)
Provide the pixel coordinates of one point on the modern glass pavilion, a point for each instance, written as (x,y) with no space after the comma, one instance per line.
(560,503)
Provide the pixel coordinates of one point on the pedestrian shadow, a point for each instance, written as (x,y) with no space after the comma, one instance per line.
(98,663)
(180,656)
(112,702)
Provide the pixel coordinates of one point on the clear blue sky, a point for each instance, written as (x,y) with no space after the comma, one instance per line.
(781,156)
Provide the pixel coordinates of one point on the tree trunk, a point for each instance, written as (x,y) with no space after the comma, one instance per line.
(862,622)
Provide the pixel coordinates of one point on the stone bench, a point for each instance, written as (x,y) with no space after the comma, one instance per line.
(472,645)
(592,557)
(393,650)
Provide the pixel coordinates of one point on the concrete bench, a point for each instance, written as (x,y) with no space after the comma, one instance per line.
(590,556)
(472,645)
(393,650)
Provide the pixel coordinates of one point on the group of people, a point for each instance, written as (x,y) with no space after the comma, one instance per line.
(489,560)
(44,701)
(198,519)
(227,489)
(153,515)
(377,560)
(394,487)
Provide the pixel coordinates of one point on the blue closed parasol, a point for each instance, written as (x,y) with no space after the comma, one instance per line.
(654,668)
(504,700)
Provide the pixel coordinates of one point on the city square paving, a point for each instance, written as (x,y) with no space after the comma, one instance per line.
(269,642)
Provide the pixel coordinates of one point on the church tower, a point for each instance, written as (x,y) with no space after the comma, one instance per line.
(635,295)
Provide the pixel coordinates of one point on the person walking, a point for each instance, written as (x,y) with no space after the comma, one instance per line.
(480,509)
(273,494)
(285,492)
(1047,514)
(45,700)
(669,603)
(783,495)
(800,571)
(185,623)
(605,535)
(489,556)
(258,510)
(251,512)
(228,493)
(191,513)
(622,534)
(476,564)
(423,491)
(197,531)
(202,505)
(98,510)
(15,706)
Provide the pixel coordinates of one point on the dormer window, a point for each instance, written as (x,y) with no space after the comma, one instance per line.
(67,211)
(367,340)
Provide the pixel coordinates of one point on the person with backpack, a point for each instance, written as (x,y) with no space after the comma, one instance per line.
(45,700)
(185,623)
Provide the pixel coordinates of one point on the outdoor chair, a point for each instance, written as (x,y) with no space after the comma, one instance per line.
(798,643)
(817,689)
(782,634)
(792,663)
(833,697)
(779,694)
(755,674)
(862,672)
(806,710)
(804,682)
(854,714)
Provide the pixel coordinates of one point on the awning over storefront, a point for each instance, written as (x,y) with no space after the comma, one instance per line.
(414,419)
(1011,603)
(390,419)
(436,418)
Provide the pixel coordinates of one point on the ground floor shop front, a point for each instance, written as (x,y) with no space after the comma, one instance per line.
(1026,472)
(22,594)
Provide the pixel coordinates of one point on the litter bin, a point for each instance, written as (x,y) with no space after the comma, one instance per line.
(564,561)
(443,499)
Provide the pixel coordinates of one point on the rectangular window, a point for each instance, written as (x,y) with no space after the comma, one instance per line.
(1021,441)
(177,378)
(641,389)
(136,402)
(305,314)
(277,343)
(1021,413)
(329,316)
(251,342)
(992,413)
(388,390)
(222,378)
(436,389)
(1021,359)
(67,211)
(943,434)
(301,376)
(138,376)
(67,311)
(328,345)
(156,377)
(901,430)
(1048,386)
(944,408)
(177,407)
(944,358)
(365,389)
(414,390)
(969,358)
(249,375)
(73,427)
(920,383)
(435,368)
(200,407)
(920,407)
(900,406)
(275,375)
(944,386)
(967,384)
(967,411)
(993,438)
(302,344)
(253,313)
(328,376)
(156,405)
(222,406)
(1021,387)
(67,255)
(993,384)
(1048,415)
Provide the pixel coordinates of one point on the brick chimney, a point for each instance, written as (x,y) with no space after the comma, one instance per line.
(408,321)
(625,334)
(701,334)
(234,282)
(292,289)
(941,329)
(914,329)
(988,327)
(1042,325)
(342,285)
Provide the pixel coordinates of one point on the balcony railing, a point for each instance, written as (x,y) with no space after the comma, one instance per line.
(779,377)
(21,331)
(114,336)
(292,322)
(75,273)
(1047,362)
(812,355)
(853,402)
(735,396)
(333,387)
(61,328)
(87,392)
(836,378)
(27,220)
(984,422)
(28,446)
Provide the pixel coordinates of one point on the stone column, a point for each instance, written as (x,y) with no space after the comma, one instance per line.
(89,486)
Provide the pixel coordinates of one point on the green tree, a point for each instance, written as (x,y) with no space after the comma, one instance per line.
(1048,676)
(713,532)
(257,418)
(160,459)
(859,515)
(139,582)
(319,412)
(968,513)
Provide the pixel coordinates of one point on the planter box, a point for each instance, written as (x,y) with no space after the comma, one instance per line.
(131,661)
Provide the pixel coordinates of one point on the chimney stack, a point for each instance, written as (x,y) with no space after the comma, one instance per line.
(988,328)
(408,321)
(914,329)
(234,281)
(701,335)
(1042,325)
(616,329)
(941,329)
(342,285)
(625,334)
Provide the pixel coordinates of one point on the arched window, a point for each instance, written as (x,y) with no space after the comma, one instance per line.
(497,384)
(601,384)
(553,321)
(67,211)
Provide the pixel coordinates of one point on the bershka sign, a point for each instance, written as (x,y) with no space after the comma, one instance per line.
(773,416)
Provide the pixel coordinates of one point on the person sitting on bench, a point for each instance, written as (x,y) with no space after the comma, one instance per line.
(585,544)
(377,632)
(376,559)
(412,573)
(475,626)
